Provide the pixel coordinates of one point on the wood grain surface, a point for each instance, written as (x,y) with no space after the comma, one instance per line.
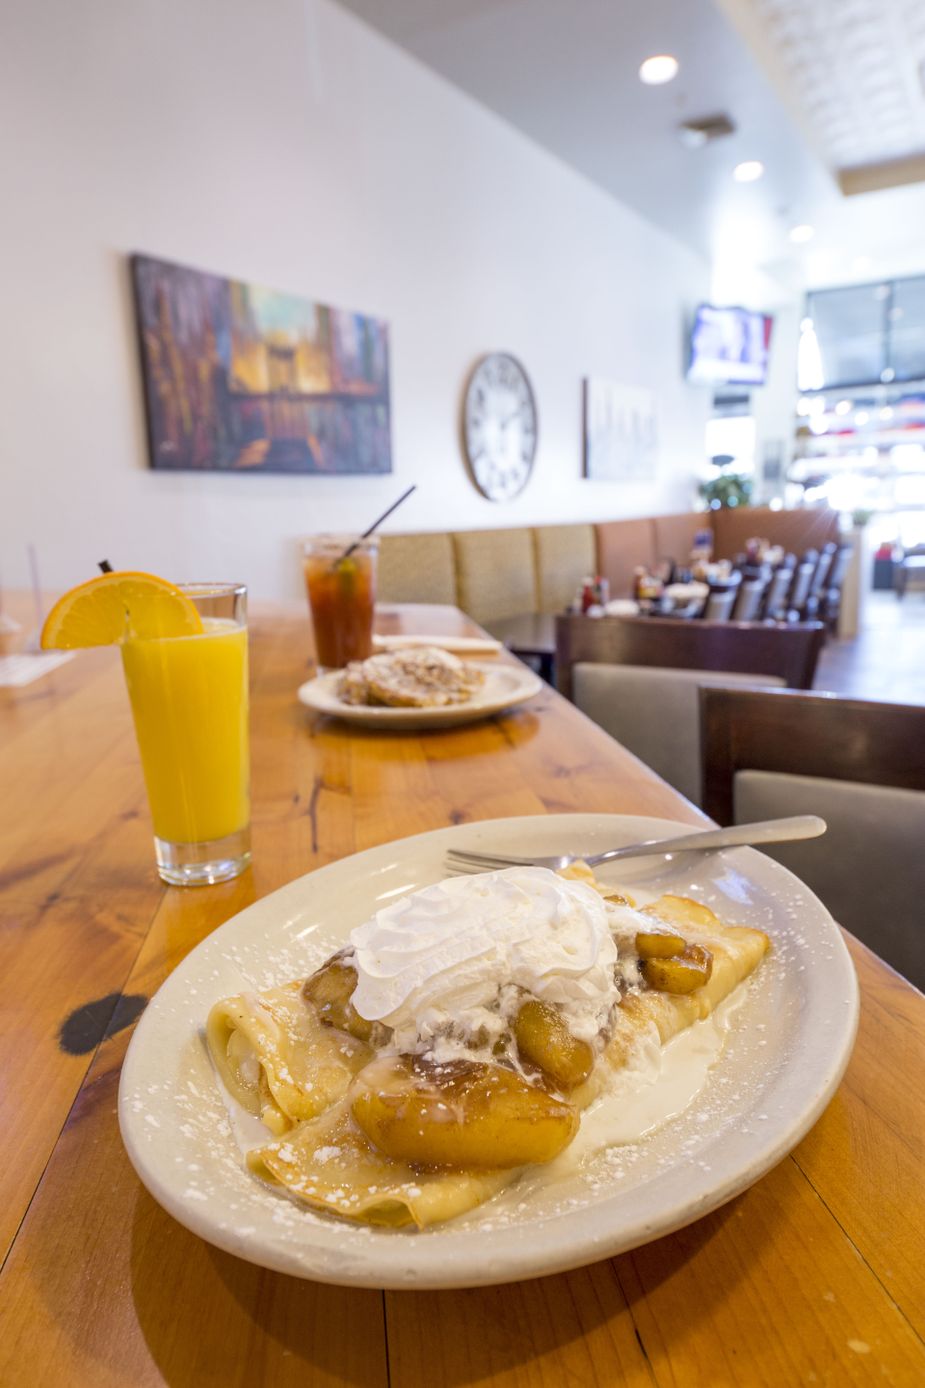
(813,1276)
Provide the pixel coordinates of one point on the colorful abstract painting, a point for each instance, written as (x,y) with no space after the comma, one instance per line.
(243,379)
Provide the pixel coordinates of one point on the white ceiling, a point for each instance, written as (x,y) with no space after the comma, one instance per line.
(852,70)
(821,96)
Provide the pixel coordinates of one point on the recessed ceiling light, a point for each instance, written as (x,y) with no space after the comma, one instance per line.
(748,171)
(802,233)
(658,69)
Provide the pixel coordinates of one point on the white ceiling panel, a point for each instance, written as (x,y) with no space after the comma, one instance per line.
(853,70)
(814,88)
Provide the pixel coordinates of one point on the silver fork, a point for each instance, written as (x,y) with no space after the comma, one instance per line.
(801,826)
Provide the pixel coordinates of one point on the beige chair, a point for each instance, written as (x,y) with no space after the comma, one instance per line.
(655,713)
(721,602)
(802,581)
(858,764)
(775,603)
(748,602)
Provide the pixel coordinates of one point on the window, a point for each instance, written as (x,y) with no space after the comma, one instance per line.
(864,335)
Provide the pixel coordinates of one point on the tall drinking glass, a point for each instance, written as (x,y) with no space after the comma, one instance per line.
(341,597)
(189,697)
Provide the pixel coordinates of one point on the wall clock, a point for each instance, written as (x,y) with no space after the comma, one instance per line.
(499,426)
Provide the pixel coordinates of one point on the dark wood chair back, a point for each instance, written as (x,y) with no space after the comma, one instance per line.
(808,735)
(745,648)
(858,764)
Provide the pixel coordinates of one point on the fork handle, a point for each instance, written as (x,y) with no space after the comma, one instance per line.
(801,826)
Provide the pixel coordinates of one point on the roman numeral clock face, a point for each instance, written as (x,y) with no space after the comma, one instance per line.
(499,426)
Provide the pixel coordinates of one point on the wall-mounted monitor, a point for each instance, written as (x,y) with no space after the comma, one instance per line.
(729,346)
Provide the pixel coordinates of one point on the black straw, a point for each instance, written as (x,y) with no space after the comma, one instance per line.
(375,525)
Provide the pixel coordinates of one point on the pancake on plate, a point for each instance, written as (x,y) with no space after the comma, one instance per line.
(419,677)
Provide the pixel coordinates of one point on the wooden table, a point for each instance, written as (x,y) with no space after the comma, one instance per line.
(812,1276)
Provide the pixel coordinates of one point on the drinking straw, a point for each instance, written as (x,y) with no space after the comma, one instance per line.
(375,526)
(36,585)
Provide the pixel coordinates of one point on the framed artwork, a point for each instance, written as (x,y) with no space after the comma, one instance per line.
(620,432)
(243,379)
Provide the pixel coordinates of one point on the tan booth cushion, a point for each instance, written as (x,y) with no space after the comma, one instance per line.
(674,535)
(621,547)
(797,530)
(495,573)
(565,555)
(416,568)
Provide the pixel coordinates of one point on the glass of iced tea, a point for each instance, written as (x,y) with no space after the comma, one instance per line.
(341,597)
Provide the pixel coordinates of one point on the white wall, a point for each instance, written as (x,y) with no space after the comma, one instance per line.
(285,143)
(771,290)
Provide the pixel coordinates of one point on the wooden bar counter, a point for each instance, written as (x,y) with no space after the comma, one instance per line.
(813,1276)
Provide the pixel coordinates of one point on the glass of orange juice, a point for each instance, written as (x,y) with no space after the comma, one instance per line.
(341,596)
(189,697)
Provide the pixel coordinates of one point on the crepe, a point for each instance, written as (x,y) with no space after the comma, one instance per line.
(331,1165)
(277,1058)
(309,1071)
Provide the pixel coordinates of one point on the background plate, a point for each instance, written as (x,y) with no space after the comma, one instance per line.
(785,1054)
(458,645)
(505,686)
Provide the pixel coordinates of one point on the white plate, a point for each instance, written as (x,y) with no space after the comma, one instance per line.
(505,686)
(787,1050)
(457,645)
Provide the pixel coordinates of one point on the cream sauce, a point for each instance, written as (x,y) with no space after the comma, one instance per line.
(660,1085)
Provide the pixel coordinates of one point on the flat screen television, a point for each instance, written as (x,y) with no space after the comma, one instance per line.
(729,346)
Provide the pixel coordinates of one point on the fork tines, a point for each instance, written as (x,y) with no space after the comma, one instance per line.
(461,861)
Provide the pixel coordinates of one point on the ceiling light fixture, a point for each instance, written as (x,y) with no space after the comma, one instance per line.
(748,171)
(662,67)
(801,233)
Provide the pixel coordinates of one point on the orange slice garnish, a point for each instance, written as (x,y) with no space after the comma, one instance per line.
(116,607)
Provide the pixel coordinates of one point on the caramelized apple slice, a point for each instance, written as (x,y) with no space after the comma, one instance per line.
(544,1040)
(682,973)
(658,944)
(330,990)
(462,1114)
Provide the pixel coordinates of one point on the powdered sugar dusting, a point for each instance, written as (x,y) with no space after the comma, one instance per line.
(177,1120)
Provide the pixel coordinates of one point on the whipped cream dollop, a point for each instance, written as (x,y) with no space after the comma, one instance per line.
(453,958)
